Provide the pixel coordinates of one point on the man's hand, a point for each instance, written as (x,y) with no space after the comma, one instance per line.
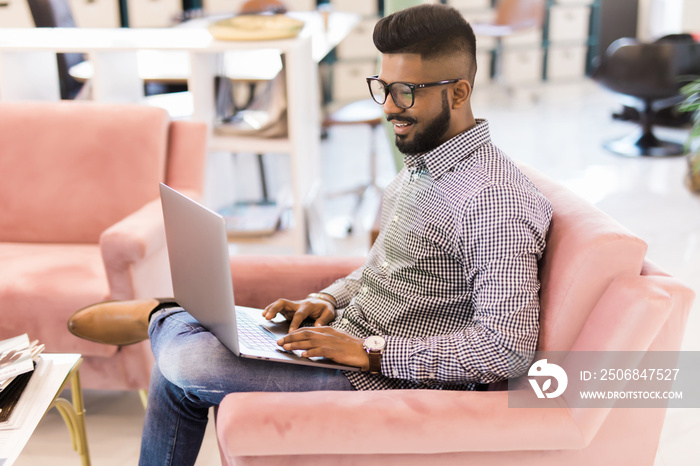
(329,343)
(296,311)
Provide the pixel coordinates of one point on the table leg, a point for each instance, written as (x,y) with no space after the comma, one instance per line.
(74,417)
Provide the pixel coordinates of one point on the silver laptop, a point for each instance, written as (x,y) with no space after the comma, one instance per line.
(200,268)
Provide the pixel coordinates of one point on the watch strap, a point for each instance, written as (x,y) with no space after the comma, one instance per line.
(375,361)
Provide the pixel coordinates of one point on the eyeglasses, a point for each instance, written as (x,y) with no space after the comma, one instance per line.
(403,94)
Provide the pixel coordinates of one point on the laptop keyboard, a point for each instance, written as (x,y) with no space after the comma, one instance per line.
(254,335)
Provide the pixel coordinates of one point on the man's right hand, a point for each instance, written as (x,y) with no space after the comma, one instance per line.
(296,311)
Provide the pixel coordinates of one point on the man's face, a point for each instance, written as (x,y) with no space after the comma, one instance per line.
(426,124)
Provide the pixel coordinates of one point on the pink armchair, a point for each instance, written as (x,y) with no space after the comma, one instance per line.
(598,294)
(81,221)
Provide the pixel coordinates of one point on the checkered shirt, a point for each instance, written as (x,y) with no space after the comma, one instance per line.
(451,281)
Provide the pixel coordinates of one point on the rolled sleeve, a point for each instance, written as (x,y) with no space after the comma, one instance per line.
(345,289)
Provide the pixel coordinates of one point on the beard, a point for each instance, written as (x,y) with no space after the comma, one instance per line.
(430,137)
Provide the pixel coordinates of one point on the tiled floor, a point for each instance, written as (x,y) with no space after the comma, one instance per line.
(559,133)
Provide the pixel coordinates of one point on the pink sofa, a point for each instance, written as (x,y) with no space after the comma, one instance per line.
(81,220)
(598,294)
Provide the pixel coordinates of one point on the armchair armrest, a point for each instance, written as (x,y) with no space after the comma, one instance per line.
(401,421)
(135,256)
(425,421)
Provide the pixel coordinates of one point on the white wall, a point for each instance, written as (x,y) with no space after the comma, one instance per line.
(661,17)
(691,16)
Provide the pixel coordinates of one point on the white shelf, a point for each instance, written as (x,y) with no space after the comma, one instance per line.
(28,72)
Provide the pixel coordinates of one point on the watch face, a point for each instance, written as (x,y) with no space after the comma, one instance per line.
(375,343)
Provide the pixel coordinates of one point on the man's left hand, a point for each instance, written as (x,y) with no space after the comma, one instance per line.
(329,343)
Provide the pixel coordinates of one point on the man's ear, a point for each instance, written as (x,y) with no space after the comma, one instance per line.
(461,92)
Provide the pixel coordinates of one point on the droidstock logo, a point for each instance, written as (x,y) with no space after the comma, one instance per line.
(542,369)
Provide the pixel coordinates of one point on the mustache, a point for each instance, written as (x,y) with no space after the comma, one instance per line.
(397,117)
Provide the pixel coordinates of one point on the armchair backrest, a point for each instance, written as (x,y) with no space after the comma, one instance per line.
(586,250)
(71,169)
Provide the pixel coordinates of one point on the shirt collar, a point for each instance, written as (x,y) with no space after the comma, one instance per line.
(449,153)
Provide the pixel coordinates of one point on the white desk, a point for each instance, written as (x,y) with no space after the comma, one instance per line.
(28,72)
(41,394)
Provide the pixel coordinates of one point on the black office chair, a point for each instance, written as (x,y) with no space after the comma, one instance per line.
(57,13)
(649,75)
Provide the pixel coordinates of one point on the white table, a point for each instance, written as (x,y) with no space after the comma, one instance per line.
(51,375)
(28,72)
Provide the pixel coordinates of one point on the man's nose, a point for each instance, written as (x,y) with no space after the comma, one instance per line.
(390,106)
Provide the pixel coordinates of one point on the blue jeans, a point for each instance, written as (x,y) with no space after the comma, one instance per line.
(194,371)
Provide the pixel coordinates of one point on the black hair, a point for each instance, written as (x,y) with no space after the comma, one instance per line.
(430,31)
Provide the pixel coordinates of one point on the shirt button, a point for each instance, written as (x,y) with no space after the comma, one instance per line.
(396,218)
(385,264)
(396,373)
(344,321)
(364,289)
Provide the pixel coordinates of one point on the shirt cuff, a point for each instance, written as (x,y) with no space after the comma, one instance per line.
(395,359)
(340,294)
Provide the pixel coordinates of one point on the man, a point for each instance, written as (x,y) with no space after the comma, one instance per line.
(448,296)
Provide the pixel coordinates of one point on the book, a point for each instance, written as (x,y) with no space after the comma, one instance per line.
(27,405)
(11,395)
(16,358)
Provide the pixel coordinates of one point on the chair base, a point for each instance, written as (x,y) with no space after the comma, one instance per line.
(645,145)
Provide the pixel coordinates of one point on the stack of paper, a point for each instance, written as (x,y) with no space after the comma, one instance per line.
(17,356)
(41,389)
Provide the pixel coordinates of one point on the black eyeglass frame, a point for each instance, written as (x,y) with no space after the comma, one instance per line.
(411,86)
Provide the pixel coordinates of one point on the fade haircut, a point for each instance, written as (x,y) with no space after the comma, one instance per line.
(431,31)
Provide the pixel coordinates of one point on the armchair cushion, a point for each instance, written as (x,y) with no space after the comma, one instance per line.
(114,169)
(57,269)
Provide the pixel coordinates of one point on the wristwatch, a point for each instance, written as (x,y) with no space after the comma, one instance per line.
(374,346)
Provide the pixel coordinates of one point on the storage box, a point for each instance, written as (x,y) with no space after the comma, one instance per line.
(526,37)
(222,6)
(521,65)
(301,5)
(566,62)
(485,15)
(96,13)
(469,4)
(349,79)
(569,23)
(153,13)
(15,14)
(358,44)
(361,7)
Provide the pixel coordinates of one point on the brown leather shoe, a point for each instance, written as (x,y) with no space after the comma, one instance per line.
(116,322)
